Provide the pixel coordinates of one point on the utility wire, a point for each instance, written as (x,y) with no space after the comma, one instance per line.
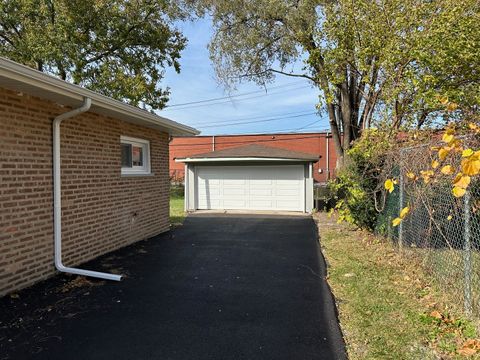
(291,130)
(229,101)
(223,124)
(262,117)
(235,95)
(256,141)
(308,125)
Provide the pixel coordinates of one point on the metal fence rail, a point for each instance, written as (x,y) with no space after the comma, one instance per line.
(442,230)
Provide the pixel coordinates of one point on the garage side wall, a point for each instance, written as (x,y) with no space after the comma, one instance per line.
(190,198)
(101,210)
(309,187)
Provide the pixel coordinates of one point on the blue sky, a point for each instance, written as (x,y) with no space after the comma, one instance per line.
(288,104)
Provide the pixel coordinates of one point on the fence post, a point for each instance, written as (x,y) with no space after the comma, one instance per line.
(400,201)
(467,256)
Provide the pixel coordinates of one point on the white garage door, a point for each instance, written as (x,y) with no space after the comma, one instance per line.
(250,187)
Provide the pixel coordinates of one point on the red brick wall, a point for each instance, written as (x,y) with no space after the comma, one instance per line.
(310,143)
(98,205)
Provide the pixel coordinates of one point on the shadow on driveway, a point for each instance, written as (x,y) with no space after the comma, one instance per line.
(219,287)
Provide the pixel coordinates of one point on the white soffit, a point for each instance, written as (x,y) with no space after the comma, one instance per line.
(26,80)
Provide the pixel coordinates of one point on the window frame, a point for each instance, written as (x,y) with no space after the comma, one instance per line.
(145,169)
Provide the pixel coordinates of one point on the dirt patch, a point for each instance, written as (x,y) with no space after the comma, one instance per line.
(79,282)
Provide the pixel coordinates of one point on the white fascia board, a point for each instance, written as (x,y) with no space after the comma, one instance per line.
(22,78)
(233,159)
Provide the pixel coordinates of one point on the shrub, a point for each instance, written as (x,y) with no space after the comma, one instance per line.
(357,183)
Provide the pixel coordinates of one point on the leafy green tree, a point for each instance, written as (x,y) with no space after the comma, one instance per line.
(372,60)
(116,47)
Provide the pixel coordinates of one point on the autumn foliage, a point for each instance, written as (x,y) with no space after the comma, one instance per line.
(456,159)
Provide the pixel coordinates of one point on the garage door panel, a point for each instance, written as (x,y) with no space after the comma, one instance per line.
(261,182)
(288,192)
(208,181)
(234,204)
(209,204)
(234,183)
(262,204)
(287,205)
(234,191)
(251,187)
(261,192)
(209,191)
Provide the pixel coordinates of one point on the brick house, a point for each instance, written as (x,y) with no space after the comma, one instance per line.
(113,173)
(319,144)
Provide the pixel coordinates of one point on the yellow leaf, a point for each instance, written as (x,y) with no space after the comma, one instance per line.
(458,191)
(449,217)
(443,153)
(426,175)
(457,177)
(444,100)
(389,185)
(411,176)
(447,138)
(404,212)
(467,153)
(452,106)
(472,126)
(471,166)
(462,182)
(396,221)
(447,170)
(435,164)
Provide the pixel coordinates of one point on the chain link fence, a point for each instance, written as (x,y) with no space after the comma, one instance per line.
(444,231)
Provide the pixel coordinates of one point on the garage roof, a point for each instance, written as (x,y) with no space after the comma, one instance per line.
(251,152)
(21,78)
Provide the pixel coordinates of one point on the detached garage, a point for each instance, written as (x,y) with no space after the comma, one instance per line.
(252,177)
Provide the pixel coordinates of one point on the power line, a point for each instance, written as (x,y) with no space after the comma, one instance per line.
(291,130)
(229,101)
(223,124)
(235,95)
(308,125)
(256,141)
(232,120)
(294,130)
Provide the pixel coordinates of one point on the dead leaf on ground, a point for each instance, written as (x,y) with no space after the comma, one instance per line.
(436,315)
(79,281)
(469,347)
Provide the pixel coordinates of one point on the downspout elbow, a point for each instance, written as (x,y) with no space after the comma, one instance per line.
(57,197)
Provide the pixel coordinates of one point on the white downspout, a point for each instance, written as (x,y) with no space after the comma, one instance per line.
(213,143)
(57,197)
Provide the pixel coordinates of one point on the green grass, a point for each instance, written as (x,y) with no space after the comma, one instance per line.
(389,308)
(177,215)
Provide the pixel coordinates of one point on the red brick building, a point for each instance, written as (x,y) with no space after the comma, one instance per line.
(112,170)
(319,144)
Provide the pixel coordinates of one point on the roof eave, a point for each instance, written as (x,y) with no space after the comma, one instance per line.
(24,79)
(237,159)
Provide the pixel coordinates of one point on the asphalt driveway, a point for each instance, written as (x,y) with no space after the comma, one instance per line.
(218,287)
